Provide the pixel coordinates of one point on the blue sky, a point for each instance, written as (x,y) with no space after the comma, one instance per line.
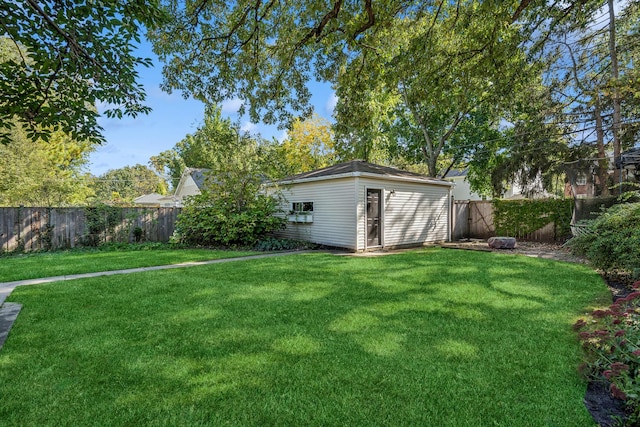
(131,141)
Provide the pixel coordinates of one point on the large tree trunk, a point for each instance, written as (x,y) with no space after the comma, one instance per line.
(616,95)
(603,161)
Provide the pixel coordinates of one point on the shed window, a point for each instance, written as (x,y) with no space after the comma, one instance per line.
(302,207)
(581,179)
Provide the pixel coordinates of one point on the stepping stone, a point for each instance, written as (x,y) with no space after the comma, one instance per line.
(8,314)
(502,242)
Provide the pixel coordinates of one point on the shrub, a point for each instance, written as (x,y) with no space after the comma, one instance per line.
(275,244)
(219,222)
(612,241)
(101,221)
(612,343)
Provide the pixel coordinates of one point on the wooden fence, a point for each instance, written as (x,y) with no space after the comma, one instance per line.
(59,228)
(474,220)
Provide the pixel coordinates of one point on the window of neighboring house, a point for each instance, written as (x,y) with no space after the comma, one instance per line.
(581,179)
(302,207)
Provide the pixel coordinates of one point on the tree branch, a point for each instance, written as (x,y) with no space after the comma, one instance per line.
(370,21)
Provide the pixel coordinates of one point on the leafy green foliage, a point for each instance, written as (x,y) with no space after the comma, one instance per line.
(469,63)
(219,146)
(309,145)
(125,184)
(276,244)
(216,220)
(44,173)
(69,56)
(612,240)
(231,209)
(101,221)
(520,217)
(612,343)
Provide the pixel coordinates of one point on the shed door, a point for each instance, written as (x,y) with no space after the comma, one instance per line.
(374,213)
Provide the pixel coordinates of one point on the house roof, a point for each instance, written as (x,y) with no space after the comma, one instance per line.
(362,168)
(198,175)
(456,173)
(149,198)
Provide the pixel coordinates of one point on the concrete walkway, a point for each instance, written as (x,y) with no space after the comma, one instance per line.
(9,311)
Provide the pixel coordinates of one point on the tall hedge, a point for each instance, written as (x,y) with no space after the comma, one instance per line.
(521,217)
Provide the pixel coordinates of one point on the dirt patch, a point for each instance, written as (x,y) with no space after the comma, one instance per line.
(553,251)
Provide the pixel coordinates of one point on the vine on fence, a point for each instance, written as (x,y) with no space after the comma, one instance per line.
(521,217)
(101,221)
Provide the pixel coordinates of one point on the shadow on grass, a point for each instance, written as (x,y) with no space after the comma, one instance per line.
(427,338)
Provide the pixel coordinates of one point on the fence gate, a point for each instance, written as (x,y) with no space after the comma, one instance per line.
(481,220)
(460,220)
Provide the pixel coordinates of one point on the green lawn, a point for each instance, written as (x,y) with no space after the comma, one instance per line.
(433,337)
(46,264)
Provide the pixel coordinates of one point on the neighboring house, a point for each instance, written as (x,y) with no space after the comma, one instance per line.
(534,190)
(462,190)
(582,186)
(154,200)
(361,206)
(190,184)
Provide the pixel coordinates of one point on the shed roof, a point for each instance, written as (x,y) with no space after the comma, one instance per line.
(362,168)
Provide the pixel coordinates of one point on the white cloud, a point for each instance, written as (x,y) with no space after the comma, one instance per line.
(231,106)
(249,127)
(331,103)
(282,136)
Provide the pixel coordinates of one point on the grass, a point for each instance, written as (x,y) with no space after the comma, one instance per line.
(46,264)
(434,337)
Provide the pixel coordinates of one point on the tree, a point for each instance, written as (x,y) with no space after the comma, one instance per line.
(232,208)
(435,77)
(123,185)
(44,174)
(264,53)
(309,145)
(592,76)
(70,56)
(416,81)
(202,149)
(424,65)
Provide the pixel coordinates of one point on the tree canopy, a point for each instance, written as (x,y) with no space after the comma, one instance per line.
(309,145)
(122,185)
(69,57)
(405,71)
(42,173)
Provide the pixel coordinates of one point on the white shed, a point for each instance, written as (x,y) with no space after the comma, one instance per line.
(362,206)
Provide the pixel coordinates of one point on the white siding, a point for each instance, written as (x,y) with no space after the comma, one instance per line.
(334,216)
(462,190)
(413,214)
(189,188)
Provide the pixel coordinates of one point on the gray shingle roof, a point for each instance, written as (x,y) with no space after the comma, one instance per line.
(198,175)
(453,173)
(360,166)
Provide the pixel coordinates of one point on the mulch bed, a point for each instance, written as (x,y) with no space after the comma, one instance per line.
(606,410)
